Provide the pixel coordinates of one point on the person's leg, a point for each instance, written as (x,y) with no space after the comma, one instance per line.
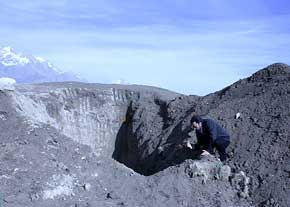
(221,147)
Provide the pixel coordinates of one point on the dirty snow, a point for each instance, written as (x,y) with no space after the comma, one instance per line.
(61,185)
(7,84)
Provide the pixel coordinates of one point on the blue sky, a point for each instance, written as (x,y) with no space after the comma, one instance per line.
(192,47)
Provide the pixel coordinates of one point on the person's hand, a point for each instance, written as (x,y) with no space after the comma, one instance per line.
(205,153)
(184,145)
(188,145)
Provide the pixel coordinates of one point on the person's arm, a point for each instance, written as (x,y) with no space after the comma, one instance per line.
(212,135)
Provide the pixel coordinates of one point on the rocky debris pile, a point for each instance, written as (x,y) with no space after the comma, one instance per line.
(260,137)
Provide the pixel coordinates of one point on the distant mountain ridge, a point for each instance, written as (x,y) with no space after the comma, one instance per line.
(29,69)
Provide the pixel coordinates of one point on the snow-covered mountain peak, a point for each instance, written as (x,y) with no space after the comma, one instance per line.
(6,49)
(31,69)
(8,57)
(42,60)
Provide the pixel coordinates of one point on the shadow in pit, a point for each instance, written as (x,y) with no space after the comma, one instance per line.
(163,156)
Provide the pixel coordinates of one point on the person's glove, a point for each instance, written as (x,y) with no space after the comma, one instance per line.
(188,145)
(205,153)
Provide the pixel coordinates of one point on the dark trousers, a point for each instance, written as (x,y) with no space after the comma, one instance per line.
(221,146)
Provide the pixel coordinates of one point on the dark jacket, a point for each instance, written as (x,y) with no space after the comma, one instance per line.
(211,134)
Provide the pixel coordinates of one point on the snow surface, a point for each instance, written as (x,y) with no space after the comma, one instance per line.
(122,82)
(7,84)
(60,185)
(40,59)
